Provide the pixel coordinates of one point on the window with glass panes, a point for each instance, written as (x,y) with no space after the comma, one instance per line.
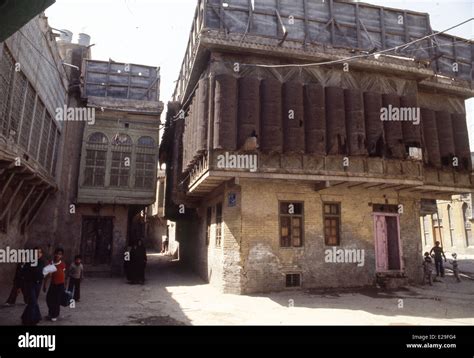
(291,224)
(332,221)
(96,158)
(145,163)
(121,161)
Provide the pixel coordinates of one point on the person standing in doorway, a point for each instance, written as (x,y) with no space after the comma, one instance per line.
(76,275)
(438,258)
(56,288)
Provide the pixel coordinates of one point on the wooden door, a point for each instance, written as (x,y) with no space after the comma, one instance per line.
(97,237)
(380,231)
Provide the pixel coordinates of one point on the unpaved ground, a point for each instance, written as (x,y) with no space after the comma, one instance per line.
(173,296)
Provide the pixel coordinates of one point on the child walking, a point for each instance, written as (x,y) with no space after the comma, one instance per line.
(427,269)
(455,267)
(76,275)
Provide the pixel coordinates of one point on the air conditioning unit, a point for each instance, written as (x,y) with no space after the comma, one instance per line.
(415,153)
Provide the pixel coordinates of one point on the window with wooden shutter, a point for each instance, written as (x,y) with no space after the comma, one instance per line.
(291,224)
(332,222)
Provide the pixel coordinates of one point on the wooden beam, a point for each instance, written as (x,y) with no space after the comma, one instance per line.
(374,186)
(11,200)
(356,185)
(382,27)
(38,210)
(5,187)
(405,27)
(22,205)
(331,16)
(32,206)
(359,39)
(306,22)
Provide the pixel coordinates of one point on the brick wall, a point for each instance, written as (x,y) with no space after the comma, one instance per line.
(265,262)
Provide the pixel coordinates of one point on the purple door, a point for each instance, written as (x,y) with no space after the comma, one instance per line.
(380,230)
(387,243)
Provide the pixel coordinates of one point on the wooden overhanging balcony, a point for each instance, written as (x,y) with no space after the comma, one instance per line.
(403,176)
(24,186)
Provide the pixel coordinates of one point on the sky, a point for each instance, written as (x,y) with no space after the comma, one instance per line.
(156,32)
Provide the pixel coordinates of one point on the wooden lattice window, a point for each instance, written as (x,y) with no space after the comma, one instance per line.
(50,151)
(44,139)
(18,98)
(56,153)
(121,161)
(145,163)
(28,115)
(291,224)
(37,126)
(7,64)
(332,222)
(96,159)
(219,224)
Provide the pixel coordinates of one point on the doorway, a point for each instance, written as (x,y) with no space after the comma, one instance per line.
(388,253)
(96,242)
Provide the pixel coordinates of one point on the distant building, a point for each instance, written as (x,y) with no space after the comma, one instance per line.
(308,176)
(451,225)
(119,161)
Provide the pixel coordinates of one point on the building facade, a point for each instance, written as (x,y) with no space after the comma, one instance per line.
(451,225)
(33,83)
(282,174)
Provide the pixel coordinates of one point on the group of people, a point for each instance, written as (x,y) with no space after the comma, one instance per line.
(438,255)
(29,279)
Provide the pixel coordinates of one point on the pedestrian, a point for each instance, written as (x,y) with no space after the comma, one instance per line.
(165,245)
(33,277)
(56,287)
(438,258)
(454,263)
(138,262)
(18,286)
(427,269)
(76,275)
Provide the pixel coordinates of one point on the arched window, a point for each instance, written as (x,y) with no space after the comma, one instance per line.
(97,138)
(467,224)
(145,165)
(96,158)
(147,142)
(121,160)
(450,224)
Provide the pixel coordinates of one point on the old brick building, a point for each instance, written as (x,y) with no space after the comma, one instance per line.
(78,181)
(333,173)
(33,83)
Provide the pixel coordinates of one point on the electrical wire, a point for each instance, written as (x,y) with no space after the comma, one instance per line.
(344,60)
(347,59)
